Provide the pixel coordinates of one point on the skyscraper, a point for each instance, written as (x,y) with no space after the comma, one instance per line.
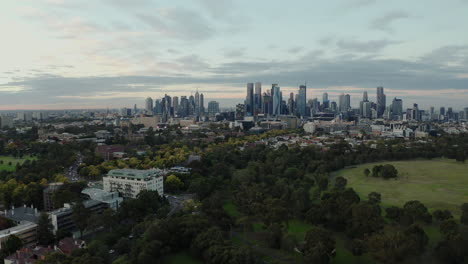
(249,100)
(302,101)
(149,106)
(202,104)
(213,107)
(197,102)
(277,98)
(397,109)
(291,103)
(258,97)
(175,105)
(365,98)
(325,101)
(381,101)
(344,103)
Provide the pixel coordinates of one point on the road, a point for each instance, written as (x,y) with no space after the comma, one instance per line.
(72,172)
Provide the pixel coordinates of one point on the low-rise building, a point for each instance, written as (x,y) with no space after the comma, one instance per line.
(61,219)
(130,182)
(112,199)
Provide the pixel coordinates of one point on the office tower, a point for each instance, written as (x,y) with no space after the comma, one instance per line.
(442,111)
(466,113)
(267,100)
(450,113)
(249,100)
(333,106)
(366,109)
(344,103)
(325,101)
(291,104)
(397,109)
(197,102)
(365,98)
(213,107)
(240,111)
(191,105)
(135,109)
(202,104)
(301,101)
(277,98)
(381,101)
(167,105)
(175,105)
(432,110)
(184,106)
(314,106)
(415,113)
(157,107)
(258,98)
(149,106)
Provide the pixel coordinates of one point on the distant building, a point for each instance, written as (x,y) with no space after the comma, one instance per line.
(62,218)
(108,151)
(130,182)
(213,107)
(381,101)
(47,195)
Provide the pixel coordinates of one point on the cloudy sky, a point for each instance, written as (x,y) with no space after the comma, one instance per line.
(57,54)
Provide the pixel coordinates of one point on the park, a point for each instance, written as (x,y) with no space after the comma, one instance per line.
(437,183)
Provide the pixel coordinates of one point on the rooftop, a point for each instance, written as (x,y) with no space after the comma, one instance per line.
(132,173)
(24,213)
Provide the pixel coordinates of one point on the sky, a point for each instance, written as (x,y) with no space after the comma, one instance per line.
(80,54)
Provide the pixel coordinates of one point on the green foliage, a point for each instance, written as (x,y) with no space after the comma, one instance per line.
(45,237)
(10,246)
(319,246)
(80,216)
(173,184)
(464,216)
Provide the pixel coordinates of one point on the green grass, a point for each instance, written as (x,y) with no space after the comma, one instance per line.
(298,228)
(14,161)
(439,183)
(181,257)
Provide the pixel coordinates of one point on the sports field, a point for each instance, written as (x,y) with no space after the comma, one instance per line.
(439,183)
(7,159)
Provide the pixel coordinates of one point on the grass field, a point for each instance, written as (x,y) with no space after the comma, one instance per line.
(181,257)
(439,183)
(7,159)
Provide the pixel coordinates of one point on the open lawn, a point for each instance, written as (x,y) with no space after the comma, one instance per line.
(181,257)
(7,159)
(438,183)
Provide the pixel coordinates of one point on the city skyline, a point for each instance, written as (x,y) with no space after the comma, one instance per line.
(66,55)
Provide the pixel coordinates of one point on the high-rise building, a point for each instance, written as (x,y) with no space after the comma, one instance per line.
(325,101)
(197,102)
(213,107)
(366,109)
(381,101)
(277,98)
(344,103)
(415,113)
(149,106)
(302,101)
(258,98)
(184,106)
(442,111)
(175,105)
(365,98)
(202,104)
(157,107)
(267,103)
(397,109)
(291,104)
(249,100)
(466,113)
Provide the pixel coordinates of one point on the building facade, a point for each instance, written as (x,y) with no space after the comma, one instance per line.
(129,182)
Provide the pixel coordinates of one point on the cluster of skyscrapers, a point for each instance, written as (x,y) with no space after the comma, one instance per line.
(271,103)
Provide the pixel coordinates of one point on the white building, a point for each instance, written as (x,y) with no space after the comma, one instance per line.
(130,182)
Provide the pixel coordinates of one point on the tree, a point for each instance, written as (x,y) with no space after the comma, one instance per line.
(80,217)
(365,220)
(12,244)
(449,228)
(464,216)
(442,215)
(417,211)
(274,235)
(319,246)
(340,183)
(45,236)
(367,172)
(173,184)
(374,198)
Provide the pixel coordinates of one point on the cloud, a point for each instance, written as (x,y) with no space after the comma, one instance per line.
(295,50)
(385,22)
(235,53)
(178,23)
(352,45)
(358,3)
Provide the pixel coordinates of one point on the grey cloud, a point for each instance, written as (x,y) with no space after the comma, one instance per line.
(425,73)
(235,53)
(359,3)
(384,23)
(295,50)
(363,46)
(178,23)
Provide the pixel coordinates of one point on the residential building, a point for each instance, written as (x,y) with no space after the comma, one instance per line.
(130,182)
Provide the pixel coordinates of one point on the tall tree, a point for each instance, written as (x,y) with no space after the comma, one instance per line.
(45,236)
(319,246)
(80,217)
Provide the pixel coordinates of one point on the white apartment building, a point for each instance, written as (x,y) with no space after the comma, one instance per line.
(130,182)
